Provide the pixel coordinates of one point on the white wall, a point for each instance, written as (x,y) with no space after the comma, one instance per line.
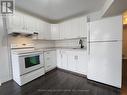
(5,64)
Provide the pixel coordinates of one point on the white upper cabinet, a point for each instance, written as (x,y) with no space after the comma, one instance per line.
(15,23)
(84,27)
(55,31)
(67,32)
(24,23)
(30,23)
(62,30)
(75,28)
(45,31)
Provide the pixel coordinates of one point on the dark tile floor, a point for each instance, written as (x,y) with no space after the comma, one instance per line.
(58,82)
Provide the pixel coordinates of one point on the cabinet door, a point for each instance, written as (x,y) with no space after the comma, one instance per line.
(50,60)
(41,30)
(47,30)
(59,63)
(64,60)
(55,35)
(53,58)
(61,25)
(82,62)
(68,30)
(76,28)
(84,27)
(16,22)
(44,31)
(47,61)
(72,61)
(29,23)
(65,31)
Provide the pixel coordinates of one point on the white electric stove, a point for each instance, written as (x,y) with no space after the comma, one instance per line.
(27,64)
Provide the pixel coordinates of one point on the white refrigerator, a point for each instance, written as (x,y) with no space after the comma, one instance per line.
(105,51)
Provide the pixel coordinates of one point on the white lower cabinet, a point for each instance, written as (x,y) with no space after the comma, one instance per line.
(82,62)
(62,59)
(50,60)
(73,60)
(58,53)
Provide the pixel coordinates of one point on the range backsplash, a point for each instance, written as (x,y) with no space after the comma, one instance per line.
(18,42)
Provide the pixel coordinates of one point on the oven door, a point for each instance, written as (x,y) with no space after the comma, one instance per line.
(30,62)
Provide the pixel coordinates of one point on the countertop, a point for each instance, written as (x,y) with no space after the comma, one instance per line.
(64,48)
(35,50)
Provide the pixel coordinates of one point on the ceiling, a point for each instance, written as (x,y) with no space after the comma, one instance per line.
(118,7)
(57,10)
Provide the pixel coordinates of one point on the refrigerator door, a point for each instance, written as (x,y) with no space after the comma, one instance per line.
(105,63)
(108,29)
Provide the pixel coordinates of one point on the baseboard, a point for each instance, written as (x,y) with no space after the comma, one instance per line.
(74,73)
(102,84)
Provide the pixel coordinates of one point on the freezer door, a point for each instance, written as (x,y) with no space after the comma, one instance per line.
(106,29)
(105,63)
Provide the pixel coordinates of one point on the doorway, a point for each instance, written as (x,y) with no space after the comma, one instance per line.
(124,53)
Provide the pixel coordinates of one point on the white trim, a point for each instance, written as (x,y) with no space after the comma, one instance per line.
(106,6)
(99,14)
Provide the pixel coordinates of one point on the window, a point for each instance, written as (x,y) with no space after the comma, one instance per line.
(32,61)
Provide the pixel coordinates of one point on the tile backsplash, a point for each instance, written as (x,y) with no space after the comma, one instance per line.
(19,42)
(70,43)
(43,44)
